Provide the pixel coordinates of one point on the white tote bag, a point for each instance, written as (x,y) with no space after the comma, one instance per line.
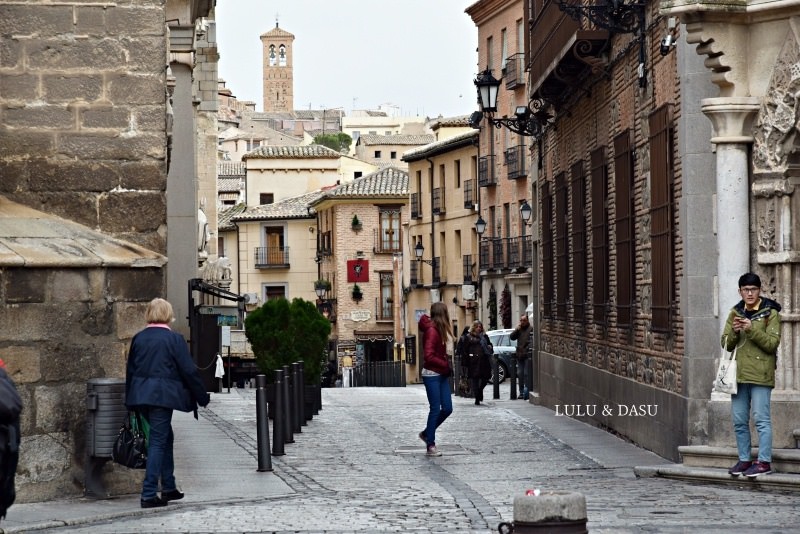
(725,381)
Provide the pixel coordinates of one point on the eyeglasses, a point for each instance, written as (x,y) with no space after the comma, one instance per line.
(749,289)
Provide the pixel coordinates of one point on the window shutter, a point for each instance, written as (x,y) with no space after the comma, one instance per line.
(623,174)
(661,218)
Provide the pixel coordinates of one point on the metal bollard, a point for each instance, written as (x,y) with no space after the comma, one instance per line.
(278,426)
(262,424)
(288,415)
(495,378)
(297,398)
(513,372)
(553,512)
(304,413)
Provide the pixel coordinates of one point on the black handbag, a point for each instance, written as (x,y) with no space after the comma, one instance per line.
(130,448)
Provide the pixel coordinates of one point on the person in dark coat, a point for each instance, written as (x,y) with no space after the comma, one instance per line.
(10,410)
(161,377)
(479,352)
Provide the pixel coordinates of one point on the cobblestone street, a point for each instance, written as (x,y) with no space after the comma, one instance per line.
(358,466)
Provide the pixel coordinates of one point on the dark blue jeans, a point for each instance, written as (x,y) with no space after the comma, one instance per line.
(441,404)
(160,462)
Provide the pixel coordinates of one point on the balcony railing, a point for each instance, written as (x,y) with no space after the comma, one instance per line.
(515,162)
(415,207)
(386,243)
(515,71)
(384,310)
(415,278)
(438,201)
(271,257)
(437,271)
(469,194)
(499,253)
(486,174)
(467,267)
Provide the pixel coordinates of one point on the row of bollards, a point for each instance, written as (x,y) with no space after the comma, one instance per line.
(288,412)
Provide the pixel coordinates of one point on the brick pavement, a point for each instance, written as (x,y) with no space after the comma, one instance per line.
(358,466)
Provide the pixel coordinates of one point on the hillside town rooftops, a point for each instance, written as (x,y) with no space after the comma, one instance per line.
(439,147)
(398,139)
(291,151)
(231,168)
(383,183)
(288,208)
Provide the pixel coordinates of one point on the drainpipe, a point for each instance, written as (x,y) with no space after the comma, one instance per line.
(433,220)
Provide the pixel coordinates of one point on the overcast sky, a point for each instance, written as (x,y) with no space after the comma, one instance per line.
(418,55)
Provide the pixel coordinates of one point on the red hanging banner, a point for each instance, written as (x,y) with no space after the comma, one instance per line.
(358,271)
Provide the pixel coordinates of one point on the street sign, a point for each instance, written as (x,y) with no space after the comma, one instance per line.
(218,310)
(227,320)
(226,336)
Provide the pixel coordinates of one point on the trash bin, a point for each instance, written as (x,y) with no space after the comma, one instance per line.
(105,413)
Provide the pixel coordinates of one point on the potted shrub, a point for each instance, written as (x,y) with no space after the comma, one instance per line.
(356,223)
(357,294)
(283,332)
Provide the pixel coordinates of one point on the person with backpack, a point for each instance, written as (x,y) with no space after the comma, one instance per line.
(10,410)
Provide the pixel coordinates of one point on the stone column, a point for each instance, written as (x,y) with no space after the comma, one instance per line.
(732,119)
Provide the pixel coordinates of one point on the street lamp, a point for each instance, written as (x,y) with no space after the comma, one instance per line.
(525,211)
(527,121)
(419,250)
(480,226)
(320,291)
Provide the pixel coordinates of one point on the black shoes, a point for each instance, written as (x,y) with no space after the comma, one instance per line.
(155,502)
(174,495)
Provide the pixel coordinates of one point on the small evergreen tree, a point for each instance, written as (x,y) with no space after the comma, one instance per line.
(282,333)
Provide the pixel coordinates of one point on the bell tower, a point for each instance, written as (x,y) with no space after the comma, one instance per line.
(278,74)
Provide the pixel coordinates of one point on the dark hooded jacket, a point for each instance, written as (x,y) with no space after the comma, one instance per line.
(757,348)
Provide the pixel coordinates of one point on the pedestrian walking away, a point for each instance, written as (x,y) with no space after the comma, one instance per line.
(161,377)
(435,332)
(479,350)
(522,335)
(753,328)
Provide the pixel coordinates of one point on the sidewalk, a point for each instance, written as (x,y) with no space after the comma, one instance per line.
(209,465)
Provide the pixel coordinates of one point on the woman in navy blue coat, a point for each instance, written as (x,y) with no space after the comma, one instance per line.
(161,377)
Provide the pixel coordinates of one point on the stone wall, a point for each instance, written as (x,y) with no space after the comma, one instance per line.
(82,107)
(83,137)
(61,327)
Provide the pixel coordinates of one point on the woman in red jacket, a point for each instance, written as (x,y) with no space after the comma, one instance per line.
(435,331)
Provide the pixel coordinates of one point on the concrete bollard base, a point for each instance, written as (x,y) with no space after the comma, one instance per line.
(549,512)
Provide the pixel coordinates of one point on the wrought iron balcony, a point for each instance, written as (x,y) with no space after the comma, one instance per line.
(271,257)
(515,162)
(514,72)
(438,201)
(415,206)
(486,174)
(469,194)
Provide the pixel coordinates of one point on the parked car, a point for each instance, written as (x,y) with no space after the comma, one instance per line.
(504,350)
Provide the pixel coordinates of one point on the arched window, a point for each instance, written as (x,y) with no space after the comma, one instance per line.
(271,55)
(282,54)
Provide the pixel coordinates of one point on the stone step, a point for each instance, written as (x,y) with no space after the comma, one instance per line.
(774,481)
(783,460)
(706,464)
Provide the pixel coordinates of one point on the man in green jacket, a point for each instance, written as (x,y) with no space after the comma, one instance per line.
(754,329)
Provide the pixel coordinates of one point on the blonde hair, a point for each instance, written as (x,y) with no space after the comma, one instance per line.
(474,327)
(159,311)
